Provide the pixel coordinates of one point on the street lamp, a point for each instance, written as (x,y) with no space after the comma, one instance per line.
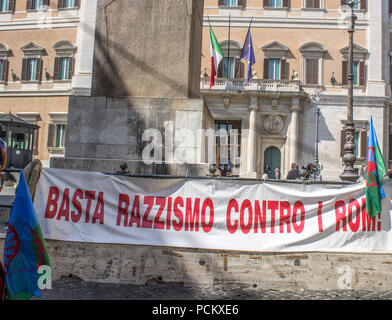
(317,168)
(349,173)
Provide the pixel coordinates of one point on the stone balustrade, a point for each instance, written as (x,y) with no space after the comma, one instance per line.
(264,85)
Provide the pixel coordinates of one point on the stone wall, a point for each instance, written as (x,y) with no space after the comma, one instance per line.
(108,263)
(113,128)
(148,48)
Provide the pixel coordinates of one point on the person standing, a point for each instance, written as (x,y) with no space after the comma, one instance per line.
(293,173)
(277,174)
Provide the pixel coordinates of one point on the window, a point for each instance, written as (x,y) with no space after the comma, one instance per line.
(359,73)
(3,70)
(32,63)
(228,144)
(32,69)
(4,5)
(63,69)
(275,65)
(231,67)
(359,67)
(312,66)
(68,4)
(56,135)
(35,5)
(64,61)
(274,69)
(276,3)
(362,5)
(230,3)
(312,4)
(60,135)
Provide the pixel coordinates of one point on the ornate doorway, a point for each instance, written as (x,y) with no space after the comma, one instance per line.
(272,157)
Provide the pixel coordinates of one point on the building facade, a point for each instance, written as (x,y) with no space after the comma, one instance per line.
(45,56)
(301,52)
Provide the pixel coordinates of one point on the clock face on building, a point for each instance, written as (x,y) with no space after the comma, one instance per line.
(273,124)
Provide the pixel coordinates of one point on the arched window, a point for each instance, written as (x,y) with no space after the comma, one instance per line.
(231,67)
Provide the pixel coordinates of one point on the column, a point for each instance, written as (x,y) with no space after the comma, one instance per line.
(252,136)
(378,47)
(82,81)
(294,131)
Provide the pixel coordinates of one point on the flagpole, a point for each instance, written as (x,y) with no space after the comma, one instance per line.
(242,51)
(228,49)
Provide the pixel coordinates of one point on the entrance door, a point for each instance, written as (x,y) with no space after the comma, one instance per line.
(272,157)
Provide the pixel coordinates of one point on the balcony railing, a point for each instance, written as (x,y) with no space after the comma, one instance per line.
(263,85)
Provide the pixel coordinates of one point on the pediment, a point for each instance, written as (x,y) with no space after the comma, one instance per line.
(312,47)
(356,48)
(275,46)
(32,47)
(64,45)
(4,49)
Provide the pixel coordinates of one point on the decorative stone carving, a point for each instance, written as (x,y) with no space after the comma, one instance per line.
(273,124)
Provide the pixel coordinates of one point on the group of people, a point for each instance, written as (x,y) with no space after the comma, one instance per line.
(293,174)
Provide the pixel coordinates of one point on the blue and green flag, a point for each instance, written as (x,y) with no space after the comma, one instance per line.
(25,250)
(375,171)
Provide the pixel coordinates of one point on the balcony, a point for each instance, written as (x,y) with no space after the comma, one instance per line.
(259,85)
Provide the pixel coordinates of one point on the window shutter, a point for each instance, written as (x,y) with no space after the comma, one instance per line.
(220,70)
(311,71)
(286,3)
(266,3)
(266,69)
(390,6)
(342,142)
(363,142)
(51,133)
(4,73)
(344,73)
(35,141)
(363,5)
(11,6)
(283,69)
(77,4)
(343,3)
(362,73)
(316,3)
(29,5)
(56,72)
(241,3)
(71,68)
(60,4)
(241,68)
(38,75)
(24,69)
(45,3)
(221,3)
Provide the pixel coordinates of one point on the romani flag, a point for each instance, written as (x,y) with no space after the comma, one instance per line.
(375,171)
(24,250)
(216,56)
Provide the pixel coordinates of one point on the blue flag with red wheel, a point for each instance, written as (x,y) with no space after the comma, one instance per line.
(375,171)
(24,250)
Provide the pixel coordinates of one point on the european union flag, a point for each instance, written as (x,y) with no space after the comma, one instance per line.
(249,55)
(24,250)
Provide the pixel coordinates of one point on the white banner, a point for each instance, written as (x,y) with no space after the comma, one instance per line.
(209,214)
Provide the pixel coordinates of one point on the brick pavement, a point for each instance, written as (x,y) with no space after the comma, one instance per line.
(76,289)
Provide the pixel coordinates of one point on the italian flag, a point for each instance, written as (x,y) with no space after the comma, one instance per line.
(216,56)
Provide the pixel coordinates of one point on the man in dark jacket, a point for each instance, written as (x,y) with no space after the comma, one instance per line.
(293,173)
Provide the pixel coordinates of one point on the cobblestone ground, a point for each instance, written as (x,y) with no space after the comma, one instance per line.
(76,289)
